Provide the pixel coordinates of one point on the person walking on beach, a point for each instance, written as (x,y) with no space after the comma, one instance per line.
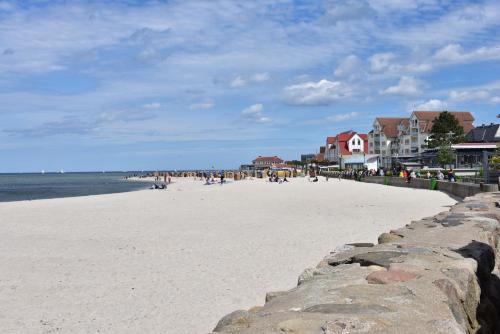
(221,177)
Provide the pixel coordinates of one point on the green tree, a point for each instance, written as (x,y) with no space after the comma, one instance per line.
(445,131)
(295,163)
(445,155)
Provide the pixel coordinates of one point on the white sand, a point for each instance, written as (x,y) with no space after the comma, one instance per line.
(176,261)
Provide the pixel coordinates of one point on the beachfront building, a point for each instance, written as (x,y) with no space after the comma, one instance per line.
(266,162)
(307,158)
(484,138)
(484,134)
(346,145)
(382,138)
(401,139)
(320,157)
(330,148)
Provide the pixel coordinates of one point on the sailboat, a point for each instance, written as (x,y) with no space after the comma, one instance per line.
(61,171)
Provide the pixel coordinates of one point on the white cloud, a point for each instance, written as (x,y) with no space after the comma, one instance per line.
(323,92)
(349,66)
(260,77)
(238,82)
(254,113)
(343,117)
(152,106)
(431,105)
(380,62)
(202,105)
(241,81)
(475,95)
(347,10)
(454,53)
(406,86)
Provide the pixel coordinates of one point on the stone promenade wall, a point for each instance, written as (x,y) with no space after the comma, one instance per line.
(435,275)
(457,189)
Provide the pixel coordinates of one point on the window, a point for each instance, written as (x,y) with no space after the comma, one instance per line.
(359,142)
(354,141)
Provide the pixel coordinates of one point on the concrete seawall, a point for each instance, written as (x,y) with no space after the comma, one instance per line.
(435,275)
(457,189)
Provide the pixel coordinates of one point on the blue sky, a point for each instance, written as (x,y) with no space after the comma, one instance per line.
(131,85)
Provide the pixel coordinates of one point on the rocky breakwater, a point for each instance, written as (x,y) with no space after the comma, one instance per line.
(436,275)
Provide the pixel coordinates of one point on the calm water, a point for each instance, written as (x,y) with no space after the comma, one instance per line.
(17,187)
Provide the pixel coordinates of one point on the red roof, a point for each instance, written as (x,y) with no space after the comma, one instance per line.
(389,125)
(331,140)
(344,138)
(274,159)
(465,119)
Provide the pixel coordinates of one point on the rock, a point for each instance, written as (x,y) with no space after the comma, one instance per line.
(345,326)
(383,258)
(302,326)
(361,244)
(388,237)
(447,287)
(407,268)
(376,268)
(487,224)
(274,294)
(443,326)
(333,308)
(390,276)
(416,250)
(237,319)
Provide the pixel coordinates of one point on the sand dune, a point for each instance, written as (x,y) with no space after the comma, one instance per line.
(176,261)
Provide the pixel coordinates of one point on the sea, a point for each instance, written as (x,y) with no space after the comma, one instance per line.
(30,186)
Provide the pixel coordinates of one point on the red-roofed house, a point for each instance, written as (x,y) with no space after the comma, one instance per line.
(345,144)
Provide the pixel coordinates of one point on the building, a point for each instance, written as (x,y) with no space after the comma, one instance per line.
(398,139)
(346,144)
(307,158)
(330,148)
(266,162)
(320,157)
(484,134)
(381,140)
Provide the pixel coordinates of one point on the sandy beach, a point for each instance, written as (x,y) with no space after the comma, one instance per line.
(177,260)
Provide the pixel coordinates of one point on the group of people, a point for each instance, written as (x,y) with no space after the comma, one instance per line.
(273,177)
(408,174)
(167,179)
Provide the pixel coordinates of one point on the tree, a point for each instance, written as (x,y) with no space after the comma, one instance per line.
(445,155)
(295,163)
(445,131)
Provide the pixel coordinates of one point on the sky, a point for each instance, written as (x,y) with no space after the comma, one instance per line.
(152,85)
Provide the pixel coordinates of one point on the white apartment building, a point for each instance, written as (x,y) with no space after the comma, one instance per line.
(403,138)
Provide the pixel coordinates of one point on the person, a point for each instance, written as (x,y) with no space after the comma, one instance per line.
(440,175)
(315,179)
(285,179)
(221,177)
(451,175)
(428,175)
